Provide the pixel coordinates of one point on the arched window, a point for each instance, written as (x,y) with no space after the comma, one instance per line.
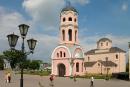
(63,33)
(98,64)
(88,59)
(70,19)
(82,67)
(75,35)
(107,44)
(106,58)
(70,35)
(77,67)
(116,56)
(57,54)
(64,54)
(101,44)
(63,19)
(60,53)
(75,20)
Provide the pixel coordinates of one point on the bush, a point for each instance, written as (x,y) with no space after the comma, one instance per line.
(96,76)
(121,75)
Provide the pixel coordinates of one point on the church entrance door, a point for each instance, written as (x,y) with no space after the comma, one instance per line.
(61,70)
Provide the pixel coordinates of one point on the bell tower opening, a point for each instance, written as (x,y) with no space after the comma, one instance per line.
(63,34)
(70,35)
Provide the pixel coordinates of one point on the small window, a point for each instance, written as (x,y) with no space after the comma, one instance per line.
(88,58)
(101,44)
(60,53)
(107,44)
(57,54)
(98,64)
(64,54)
(63,19)
(70,19)
(116,56)
(106,58)
(77,67)
(75,20)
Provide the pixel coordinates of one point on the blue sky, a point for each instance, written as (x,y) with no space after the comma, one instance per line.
(97,19)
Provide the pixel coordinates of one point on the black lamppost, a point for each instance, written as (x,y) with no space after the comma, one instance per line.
(12,39)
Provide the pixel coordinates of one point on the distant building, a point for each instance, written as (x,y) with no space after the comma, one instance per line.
(6,64)
(105,58)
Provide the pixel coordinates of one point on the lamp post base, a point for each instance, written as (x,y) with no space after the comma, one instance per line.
(21,82)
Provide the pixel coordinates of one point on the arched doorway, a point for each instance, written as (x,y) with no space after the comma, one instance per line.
(61,70)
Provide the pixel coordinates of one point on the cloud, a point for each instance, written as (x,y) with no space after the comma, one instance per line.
(44,47)
(45,12)
(124,7)
(9,21)
(82,2)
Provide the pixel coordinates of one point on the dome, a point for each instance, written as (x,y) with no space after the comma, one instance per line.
(104,39)
(69,8)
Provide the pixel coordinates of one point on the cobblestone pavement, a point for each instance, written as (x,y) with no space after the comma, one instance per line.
(33,81)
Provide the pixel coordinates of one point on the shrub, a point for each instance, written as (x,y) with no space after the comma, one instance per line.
(121,75)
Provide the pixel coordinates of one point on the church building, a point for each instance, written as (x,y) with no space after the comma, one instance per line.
(68,56)
(105,59)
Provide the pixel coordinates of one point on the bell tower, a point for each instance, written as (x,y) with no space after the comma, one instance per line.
(69,26)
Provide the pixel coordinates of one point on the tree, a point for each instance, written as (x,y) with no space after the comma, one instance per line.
(1,62)
(14,57)
(34,65)
(127,67)
(26,64)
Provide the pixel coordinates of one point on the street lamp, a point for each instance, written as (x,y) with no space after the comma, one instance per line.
(12,39)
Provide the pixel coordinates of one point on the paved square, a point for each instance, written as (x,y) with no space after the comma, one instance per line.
(33,81)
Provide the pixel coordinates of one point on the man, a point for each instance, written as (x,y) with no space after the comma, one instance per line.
(92,81)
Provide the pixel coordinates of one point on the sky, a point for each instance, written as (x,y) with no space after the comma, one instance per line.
(97,19)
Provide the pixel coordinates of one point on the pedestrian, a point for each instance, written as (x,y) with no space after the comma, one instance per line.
(9,77)
(51,79)
(75,78)
(92,82)
(6,78)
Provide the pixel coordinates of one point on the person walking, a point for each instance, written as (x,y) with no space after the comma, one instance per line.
(75,78)
(9,77)
(51,79)
(92,82)
(6,78)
